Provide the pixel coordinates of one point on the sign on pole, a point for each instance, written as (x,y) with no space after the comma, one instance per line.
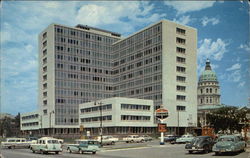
(162,127)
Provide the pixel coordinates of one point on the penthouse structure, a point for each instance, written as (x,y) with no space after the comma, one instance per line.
(83,64)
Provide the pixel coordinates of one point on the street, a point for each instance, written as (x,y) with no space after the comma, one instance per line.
(123,150)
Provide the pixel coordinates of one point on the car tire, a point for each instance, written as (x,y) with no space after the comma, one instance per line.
(112,143)
(57,152)
(206,149)
(94,152)
(217,153)
(190,152)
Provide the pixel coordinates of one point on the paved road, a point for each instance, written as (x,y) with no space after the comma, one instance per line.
(145,150)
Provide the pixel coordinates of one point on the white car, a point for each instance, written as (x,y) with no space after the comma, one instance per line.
(107,140)
(12,143)
(133,138)
(46,144)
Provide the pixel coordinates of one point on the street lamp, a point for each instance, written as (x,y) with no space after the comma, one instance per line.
(52,112)
(100,103)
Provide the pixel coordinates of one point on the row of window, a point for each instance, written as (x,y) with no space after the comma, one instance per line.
(94,119)
(134,118)
(30,124)
(209,100)
(97,108)
(135,107)
(209,90)
(83,35)
(30,117)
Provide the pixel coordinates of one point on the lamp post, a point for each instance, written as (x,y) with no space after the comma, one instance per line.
(100,103)
(50,119)
(101,121)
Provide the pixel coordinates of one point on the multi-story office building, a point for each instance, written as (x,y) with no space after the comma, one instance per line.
(82,64)
(118,115)
(74,67)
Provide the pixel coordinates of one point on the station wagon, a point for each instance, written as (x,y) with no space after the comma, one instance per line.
(45,145)
(82,146)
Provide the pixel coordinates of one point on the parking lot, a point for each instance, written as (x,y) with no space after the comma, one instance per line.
(125,150)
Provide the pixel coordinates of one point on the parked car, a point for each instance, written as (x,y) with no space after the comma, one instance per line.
(171,138)
(229,143)
(133,138)
(32,140)
(83,145)
(107,140)
(12,143)
(147,138)
(200,143)
(185,138)
(45,145)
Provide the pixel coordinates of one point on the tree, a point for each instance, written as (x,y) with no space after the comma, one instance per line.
(227,118)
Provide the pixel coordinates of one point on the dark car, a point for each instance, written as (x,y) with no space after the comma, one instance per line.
(200,143)
(171,139)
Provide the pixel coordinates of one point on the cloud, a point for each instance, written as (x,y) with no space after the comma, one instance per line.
(234,67)
(205,20)
(211,49)
(114,13)
(184,20)
(241,84)
(234,76)
(189,6)
(246,47)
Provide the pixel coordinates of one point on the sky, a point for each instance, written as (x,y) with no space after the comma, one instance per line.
(223,37)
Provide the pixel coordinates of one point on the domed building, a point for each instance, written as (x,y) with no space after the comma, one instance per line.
(208,87)
(208,93)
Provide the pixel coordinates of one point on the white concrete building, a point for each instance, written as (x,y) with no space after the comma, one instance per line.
(30,121)
(119,116)
(83,64)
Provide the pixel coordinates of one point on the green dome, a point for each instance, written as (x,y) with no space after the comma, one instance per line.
(208,74)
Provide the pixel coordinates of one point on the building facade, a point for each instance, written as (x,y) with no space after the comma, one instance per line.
(208,91)
(83,64)
(118,116)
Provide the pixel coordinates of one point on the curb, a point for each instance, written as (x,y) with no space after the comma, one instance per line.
(118,148)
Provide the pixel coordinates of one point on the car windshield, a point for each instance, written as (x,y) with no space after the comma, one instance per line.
(226,139)
(197,139)
(93,142)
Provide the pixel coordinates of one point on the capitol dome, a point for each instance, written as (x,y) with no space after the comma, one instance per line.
(208,74)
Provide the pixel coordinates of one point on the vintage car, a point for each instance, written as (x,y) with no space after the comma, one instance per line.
(200,143)
(83,145)
(147,138)
(107,140)
(12,143)
(45,145)
(229,143)
(185,138)
(171,138)
(133,138)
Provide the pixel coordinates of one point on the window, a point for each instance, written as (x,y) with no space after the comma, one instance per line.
(180,108)
(44,52)
(181,97)
(45,112)
(180,50)
(210,90)
(201,91)
(180,60)
(44,35)
(180,31)
(180,40)
(180,78)
(181,69)
(45,102)
(44,43)
(180,88)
